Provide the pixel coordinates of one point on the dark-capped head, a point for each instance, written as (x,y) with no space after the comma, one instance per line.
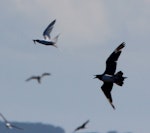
(35,41)
(98,76)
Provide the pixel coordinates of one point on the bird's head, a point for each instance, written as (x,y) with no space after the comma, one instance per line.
(35,41)
(98,76)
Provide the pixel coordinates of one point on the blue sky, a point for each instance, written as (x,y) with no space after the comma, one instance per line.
(90,31)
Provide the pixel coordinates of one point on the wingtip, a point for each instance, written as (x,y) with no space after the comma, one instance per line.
(112,106)
(121,46)
(54,21)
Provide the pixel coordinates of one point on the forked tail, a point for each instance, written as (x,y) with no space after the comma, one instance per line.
(55,39)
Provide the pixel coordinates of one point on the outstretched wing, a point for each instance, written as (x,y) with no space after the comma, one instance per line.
(45,74)
(48,30)
(111,62)
(32,77)
(106,88)
(85,123)
(78,128)
(17,127)
(82,126)
(3,118)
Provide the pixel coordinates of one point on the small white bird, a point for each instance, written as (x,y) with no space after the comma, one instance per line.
(38,78)
(8,124)
(47,38)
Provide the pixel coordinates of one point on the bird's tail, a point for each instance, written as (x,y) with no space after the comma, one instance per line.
(119,79)
(55,39)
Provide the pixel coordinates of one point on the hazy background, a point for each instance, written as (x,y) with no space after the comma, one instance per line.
(29,127)
(90,31)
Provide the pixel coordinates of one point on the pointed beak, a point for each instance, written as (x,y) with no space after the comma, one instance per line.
(34,41)
(95,77)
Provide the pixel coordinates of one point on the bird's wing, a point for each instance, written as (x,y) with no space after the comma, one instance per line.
(32,77)
(48,30)
(3,118)
(106,88)
(17,127)
(111,62)
(82,126)
(45,74)
(85,123)
(78,128)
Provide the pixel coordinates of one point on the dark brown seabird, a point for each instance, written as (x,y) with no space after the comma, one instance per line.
(109,77)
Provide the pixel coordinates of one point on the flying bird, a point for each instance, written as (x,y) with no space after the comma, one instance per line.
(109,77)
(83,126)
(47,38)
(9,125)
(38,78)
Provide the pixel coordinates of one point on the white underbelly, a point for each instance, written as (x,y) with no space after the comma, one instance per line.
(107,78)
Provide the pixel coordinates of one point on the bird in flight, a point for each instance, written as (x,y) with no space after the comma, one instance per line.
(83,126)
(47,38)
(109,77)
(8,124)
(38,78)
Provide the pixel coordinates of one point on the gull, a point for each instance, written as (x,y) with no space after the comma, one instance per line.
(8,124)
(47,38)
(83,126)
(38,78)
(109,77)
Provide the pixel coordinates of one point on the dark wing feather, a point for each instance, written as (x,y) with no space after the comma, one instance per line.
(78,128)
(3,118)
(111,62)
(48,30)
(32,77)
(38,78)
(45,74)
(106,88)
(85,123)
(82,126)
(17,127)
